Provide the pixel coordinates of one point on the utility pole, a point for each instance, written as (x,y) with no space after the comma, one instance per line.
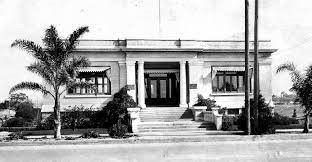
(247,102)
(256,67)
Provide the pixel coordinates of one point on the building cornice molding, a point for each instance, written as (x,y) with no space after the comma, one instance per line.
(137,45)
(203,51)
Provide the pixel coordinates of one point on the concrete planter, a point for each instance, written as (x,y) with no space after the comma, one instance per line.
(198,112)
(217,118)
(135,118)
(208,116)
(215,110)
(218,121)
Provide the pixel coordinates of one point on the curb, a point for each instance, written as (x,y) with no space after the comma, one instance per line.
(163,139)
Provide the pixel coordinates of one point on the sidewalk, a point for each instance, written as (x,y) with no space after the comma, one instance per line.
(156,138)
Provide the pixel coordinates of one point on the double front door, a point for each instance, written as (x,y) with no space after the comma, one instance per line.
(161,90)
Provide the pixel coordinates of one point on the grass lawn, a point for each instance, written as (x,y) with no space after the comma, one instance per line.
(288,110)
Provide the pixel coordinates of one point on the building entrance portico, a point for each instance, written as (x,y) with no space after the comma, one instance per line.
(161,84)
(162,88)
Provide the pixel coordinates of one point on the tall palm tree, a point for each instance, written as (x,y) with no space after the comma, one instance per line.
(302,86)
(56,65)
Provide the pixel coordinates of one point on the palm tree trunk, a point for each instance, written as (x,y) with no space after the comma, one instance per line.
(57,117)
(306,123)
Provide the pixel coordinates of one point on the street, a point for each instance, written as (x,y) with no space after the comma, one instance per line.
(275,150)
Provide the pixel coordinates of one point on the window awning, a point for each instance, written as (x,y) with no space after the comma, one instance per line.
(93,69)
(160,71)
(229,68)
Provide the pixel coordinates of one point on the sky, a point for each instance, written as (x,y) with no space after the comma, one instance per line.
(287,23)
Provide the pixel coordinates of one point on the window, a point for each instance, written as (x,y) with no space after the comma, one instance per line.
(99,80)
(228,82)
(233,111)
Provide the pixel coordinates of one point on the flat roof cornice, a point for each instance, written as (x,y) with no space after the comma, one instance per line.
(171,45)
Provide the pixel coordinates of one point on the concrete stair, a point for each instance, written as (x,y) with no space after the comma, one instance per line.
(166,114)
(170,119)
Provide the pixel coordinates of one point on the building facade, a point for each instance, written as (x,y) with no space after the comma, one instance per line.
(167,73)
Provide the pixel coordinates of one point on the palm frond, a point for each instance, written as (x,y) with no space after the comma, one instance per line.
(80,85)
(55,47)
(296,76)
(64,77)
(288,66)
(75,63)
(42,70)
(79,61)
(30,86)
(31,47)
(72,40)
(51,37)
(74,84)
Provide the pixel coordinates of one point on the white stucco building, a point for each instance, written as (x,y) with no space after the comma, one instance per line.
(167,72)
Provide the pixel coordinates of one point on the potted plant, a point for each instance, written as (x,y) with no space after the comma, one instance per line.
(202,102)
(203,106)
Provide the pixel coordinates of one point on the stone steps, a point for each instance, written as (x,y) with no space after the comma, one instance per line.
(175,126)
(165,114)
(172,130)
(170,119)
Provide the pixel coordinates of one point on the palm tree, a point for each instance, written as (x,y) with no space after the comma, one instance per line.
(302,86)
(56,65)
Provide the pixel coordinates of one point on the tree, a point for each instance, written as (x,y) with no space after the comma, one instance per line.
(18,98)
(265,118)
(2,105)
(26,111)
(56,65)
(302,86)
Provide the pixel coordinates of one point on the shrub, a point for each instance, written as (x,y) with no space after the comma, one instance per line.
(26,111)
(283,120)
(99,119)
(118,130)
(91,134)
(17,122)
(228,123)
(116,110)
(265,118)
(222,110)
(77,117)
(46,124)
(16,136)
(70,138)
(201,101)
(241,122)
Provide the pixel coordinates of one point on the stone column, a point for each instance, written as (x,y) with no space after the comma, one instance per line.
(182,84)
(141,85)
(131,79)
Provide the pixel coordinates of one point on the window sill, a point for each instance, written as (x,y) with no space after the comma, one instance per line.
(88,96)
(229,94)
